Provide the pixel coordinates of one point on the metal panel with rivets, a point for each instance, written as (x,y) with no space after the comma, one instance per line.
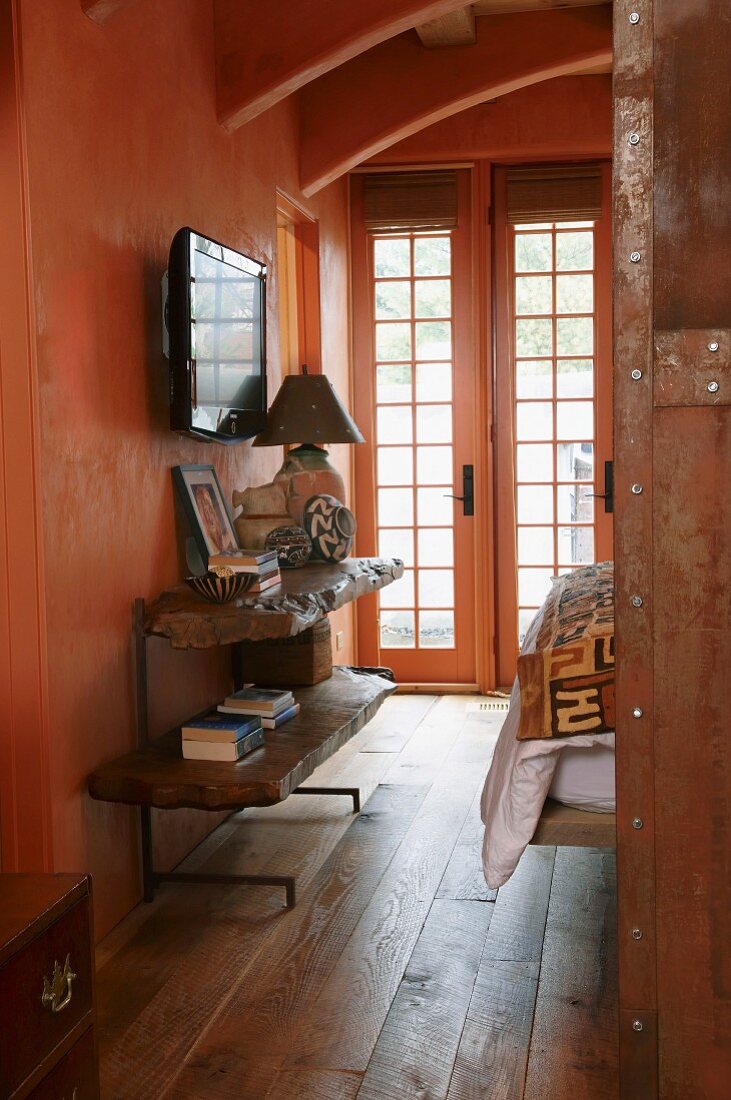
(633,359)
(672,269)
(692,544)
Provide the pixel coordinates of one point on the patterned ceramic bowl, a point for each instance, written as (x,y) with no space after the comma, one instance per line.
(220,589)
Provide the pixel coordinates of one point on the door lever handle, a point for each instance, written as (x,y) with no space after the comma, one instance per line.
(608,495)
(468,491)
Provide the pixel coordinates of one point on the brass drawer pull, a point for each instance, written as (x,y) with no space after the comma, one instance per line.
(59,984)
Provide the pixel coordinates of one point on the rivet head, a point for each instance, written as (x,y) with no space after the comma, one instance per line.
(636,601)
(637,822)
(713,345)
(635,257)
(636,374)
(637,712)
(636,489)
(634,138)
(636,933)
(712,387)
(634,18)
(637,1025)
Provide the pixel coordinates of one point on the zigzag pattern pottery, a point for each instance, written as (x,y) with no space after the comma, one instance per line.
(331,527)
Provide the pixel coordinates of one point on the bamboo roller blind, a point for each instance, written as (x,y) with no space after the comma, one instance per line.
(554,193)
(410,200)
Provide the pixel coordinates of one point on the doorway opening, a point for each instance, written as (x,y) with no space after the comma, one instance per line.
(484,387)
(298,273)
(413,399)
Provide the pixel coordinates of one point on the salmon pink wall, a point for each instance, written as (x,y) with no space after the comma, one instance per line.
(123,148)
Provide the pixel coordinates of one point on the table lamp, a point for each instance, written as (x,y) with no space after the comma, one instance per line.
(309,412)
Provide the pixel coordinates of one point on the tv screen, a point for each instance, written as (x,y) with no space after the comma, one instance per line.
(215,318)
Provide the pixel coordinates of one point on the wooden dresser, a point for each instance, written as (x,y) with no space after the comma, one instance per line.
(47,1044)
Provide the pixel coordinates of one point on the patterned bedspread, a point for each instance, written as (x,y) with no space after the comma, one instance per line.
(567,684)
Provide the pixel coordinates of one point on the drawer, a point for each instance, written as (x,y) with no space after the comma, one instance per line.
(31,1029)
(74,1077)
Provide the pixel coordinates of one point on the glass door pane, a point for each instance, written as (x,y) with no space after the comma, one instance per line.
(413,311)
(554,352)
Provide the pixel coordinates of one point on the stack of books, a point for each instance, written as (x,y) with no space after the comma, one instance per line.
(264,564)
(269,705)
(219,737)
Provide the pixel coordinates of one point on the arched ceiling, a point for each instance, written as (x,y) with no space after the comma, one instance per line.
(398,88)
(266,51)
(368,73)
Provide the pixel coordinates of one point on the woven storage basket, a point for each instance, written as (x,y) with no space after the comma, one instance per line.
(289,662)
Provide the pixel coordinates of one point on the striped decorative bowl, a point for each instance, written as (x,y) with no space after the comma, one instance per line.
(220,589)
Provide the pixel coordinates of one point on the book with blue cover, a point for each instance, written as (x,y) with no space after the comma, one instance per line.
(246,561)
(280,718)
(219,728)
(230,751)
(256,700)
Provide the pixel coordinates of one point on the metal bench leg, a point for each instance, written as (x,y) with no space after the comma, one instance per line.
(350,792)
(234,880)
(151,879)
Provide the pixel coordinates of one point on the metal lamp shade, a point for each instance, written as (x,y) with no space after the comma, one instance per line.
(307,410)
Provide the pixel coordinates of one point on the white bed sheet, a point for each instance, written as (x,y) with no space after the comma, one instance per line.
(521,776)
(584,778)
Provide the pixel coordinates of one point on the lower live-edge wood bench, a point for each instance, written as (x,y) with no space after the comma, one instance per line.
(331,712)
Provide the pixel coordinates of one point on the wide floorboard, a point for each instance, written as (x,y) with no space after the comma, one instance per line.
(398,974)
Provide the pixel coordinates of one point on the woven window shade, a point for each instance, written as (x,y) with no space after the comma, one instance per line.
(558,193)
(410,200)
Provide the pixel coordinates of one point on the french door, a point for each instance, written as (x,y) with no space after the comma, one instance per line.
(553,410)
(415,402)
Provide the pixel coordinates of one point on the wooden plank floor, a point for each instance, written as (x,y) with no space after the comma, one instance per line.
(399,975)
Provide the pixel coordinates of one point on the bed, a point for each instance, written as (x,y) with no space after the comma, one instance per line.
(551,780)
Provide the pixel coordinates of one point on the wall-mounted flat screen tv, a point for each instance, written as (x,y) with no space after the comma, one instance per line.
(215,320)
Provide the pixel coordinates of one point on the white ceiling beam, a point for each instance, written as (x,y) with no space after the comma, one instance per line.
(457,28)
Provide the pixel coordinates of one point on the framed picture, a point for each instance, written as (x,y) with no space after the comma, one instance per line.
(201,496)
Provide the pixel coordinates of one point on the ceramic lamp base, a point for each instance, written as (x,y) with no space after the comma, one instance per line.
(307,472)
(252,530)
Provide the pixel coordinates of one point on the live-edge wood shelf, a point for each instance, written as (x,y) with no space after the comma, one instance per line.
(155,775)
(305,595)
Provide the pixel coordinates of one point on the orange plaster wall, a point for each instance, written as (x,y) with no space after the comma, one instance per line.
(570,116)
(123,148)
